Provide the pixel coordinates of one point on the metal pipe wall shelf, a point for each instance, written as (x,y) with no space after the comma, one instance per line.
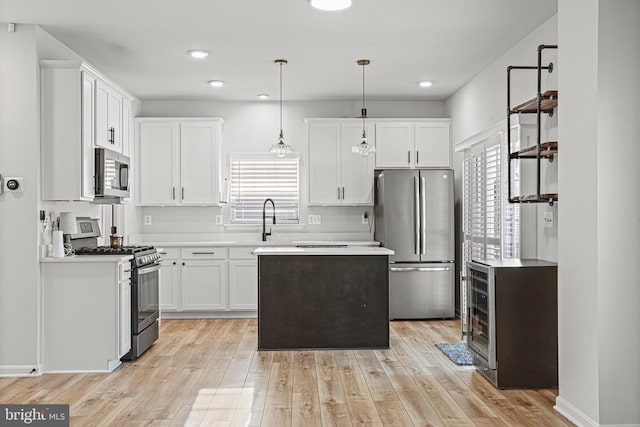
(543,103)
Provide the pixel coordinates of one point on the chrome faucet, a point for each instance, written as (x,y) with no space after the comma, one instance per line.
(264,227)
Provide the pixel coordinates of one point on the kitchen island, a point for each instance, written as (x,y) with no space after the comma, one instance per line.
(325,297)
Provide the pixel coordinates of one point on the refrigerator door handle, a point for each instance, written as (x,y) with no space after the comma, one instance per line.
(419,269)
(423,218)
(416,220)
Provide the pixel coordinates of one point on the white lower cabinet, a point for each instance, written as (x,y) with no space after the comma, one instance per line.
(125,318)
(203,285)
(243,285)
(208,280)
(86,314)
(169,286)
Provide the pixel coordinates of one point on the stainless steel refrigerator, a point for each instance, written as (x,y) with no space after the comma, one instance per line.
(414,216)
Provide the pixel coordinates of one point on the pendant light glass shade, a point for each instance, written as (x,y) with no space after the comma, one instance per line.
(280,148)
(364,148)
(330,4)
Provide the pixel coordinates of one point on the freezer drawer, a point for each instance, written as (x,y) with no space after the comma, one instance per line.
(421,291)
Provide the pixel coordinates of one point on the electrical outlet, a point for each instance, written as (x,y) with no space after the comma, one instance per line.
(314,220)
(218,219)
(548,219)
(365,218)
(148,220)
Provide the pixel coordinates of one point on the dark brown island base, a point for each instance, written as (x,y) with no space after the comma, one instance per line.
(323,298)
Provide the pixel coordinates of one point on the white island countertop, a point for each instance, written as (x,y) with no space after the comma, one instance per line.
(278,243)
(88,258)
(353,250)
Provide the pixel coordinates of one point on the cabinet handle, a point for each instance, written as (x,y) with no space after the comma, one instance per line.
(174,263)
(417,157)
(184,263)
(127,271)
(173,193)
(338,193)
(409,157)
(342,193)
(203,253)
(182,193)
(162,253)
(112,137)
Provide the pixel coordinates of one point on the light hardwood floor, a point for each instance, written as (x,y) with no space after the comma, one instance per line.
(208,372)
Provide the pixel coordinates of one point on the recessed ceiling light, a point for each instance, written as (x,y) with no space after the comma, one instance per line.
(198,54)
(216,83)
(263,96)
(425,83)
(330,4)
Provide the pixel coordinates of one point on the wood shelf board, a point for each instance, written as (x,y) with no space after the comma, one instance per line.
(549,102)
(548,149)
(533,198)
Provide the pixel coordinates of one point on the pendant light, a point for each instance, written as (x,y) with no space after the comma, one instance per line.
(364,148)
(280,148)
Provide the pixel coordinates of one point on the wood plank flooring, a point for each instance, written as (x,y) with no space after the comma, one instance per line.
(207,372)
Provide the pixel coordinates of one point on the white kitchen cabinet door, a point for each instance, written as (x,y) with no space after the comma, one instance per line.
(394,145)
(126,127)
(159,167)
(203,285)
(356,171)
(199,159)
(169,287)
(114,119)
(432,144)
(324,166)
(124,316)
(243,285)
(88,134)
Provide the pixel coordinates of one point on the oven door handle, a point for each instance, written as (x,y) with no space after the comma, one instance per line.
(150,269)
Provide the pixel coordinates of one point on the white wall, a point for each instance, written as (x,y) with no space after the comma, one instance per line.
(482,102)
(19,156)
(254,127)
(600,224)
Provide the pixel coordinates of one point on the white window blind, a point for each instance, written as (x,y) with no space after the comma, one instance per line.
(255,179)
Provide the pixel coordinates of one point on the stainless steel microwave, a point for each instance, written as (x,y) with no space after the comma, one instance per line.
(112,176)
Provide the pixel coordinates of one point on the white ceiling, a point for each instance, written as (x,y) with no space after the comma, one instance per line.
(142,44)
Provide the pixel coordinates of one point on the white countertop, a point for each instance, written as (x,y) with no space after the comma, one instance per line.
(353,250)
(278,243)
(88,258)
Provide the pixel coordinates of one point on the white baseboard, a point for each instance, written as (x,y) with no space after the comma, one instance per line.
(573,414)
(20,371)
(209,315)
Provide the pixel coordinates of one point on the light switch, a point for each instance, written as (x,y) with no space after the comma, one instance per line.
(148,220)
(218,219)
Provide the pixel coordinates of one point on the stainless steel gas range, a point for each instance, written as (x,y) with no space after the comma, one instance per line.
(145,283)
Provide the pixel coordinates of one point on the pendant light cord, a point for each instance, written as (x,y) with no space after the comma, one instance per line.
(364,110)
(281,100)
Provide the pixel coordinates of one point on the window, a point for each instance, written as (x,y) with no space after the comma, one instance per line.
(491,225)
(255,179)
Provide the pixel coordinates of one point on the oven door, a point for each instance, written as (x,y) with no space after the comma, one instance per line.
(482,328)
(146,297)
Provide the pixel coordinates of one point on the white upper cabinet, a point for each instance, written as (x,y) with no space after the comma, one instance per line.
(69,127)
(433,144)
(336,175)
(199,158)
(108,117)
(179,162)
(126,127)
(324,171)
(424,143)
(158,168)
(394,145)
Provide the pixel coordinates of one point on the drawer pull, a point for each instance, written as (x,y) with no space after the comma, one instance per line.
(127,271)
(203,253)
